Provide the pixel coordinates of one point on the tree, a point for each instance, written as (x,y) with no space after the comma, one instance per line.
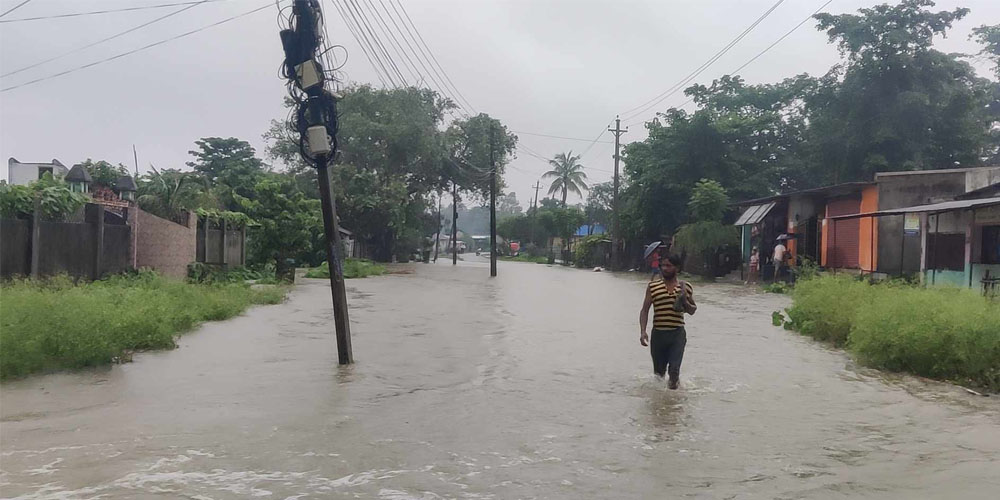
(507,205)
(167,192)
(567,174)
(103,173)
(989,36)
(231,166)
(468,144)
(287,225)
(598,207)
(897,104)
(706,235)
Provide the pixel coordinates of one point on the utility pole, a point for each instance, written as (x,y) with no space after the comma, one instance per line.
(454,223)
(534,210)
(437,236)
(615,225)
(493,203)
(316,120)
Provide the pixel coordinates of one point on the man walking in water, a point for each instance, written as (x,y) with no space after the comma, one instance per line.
(670,299)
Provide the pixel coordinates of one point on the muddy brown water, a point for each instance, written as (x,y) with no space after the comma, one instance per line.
(530,385)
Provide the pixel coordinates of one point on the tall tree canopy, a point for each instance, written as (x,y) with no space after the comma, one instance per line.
(567,175)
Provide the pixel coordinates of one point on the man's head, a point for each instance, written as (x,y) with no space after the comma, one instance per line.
(670,266)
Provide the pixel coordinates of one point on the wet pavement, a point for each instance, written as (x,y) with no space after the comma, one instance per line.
(529,385)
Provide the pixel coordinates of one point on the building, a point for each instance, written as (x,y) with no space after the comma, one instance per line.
(870,227)
(22,174)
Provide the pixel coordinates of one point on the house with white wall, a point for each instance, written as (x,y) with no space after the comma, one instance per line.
(22,174)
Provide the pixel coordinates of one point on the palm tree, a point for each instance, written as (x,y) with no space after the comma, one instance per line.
(568,175)
(166,192)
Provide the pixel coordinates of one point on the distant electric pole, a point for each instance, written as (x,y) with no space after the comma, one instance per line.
(316,121)
(437,236)
(615,225)
(493,202)
(534,209)
(454,223)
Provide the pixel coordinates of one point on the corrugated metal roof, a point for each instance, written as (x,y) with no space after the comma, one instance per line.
(946,206)
(754,214)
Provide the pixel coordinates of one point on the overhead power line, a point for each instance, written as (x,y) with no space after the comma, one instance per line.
(375,64)
(145,47)
(105,11)
(560,136)
(12,9)
(107,39)
(379,46)
(404,57)
(434,58)
(761,53)
(642,108)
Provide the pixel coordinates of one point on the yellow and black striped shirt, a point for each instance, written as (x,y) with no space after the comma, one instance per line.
(664,315)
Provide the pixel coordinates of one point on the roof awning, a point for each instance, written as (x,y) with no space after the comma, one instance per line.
(754,214)
(946,206)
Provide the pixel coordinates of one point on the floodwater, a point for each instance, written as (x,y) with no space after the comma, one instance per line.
(529,385)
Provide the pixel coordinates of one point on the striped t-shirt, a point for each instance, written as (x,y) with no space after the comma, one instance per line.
(664,315)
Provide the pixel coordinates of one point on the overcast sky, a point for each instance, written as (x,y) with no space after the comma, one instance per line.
(543,66)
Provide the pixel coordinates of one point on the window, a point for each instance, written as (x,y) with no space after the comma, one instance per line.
(991,245)
(947,251)
(44,170)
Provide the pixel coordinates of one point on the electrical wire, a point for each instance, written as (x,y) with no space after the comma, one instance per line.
(12,9)
(424,43)
(357,38)
(404,58)
(106,11)
(140,49)
(642,108)
(761,53)
(561,137)
(107,39)
(346,5)
(378,43)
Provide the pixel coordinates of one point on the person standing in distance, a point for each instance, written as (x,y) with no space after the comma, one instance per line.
(779,258)
(670,300)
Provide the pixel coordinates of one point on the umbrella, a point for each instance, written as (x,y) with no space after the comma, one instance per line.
(784,237)
(650,248)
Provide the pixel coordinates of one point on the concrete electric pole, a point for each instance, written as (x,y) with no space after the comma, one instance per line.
(615,225)
(316,121)
(493,202)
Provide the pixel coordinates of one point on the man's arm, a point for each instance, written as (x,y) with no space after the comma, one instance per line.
(689,306)
(644,317)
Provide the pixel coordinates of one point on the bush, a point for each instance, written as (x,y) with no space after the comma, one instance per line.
(824,307)
(941,333)
(55,324)
(527,258)
(199,272)
(353,268)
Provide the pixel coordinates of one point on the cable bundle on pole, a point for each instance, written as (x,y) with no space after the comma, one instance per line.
(308,71)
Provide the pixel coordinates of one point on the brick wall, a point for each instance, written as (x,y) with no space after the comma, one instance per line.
(164,245)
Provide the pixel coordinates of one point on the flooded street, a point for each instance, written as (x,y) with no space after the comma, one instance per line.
(529,385)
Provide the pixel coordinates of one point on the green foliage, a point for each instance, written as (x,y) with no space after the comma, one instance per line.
(824,308)
(938,333)
(287,225)
(353,268)
(989,36)
(598,208)
(168,192)
(941,333)
(777,287)
(805,269)
(55,324)
(537,259)
(237,219)
(705,236)
(103,173)
(708,201)
(231,166)
(199,272)
(55,198)
(586,251)
(567,174)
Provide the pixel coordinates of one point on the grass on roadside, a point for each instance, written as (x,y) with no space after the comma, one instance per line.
(353,268)
(526,258)
(55,324)
(942,333)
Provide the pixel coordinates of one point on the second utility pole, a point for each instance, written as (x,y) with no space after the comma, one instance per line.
(615,225)
(493,203)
